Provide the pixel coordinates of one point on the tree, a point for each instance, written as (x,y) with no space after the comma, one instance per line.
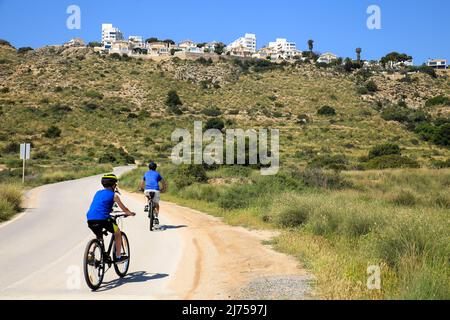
(311,46)
(214,123)
(219,49)
(151,40)
(24,50)
(53,132)
(395,57)
(169,41)
(93,44)
(173,100)
(358,54)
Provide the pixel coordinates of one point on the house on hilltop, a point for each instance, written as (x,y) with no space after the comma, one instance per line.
(327,58)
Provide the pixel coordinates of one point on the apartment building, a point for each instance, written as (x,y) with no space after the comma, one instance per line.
(437,63)
(110,34)
(283,49)
(244,46)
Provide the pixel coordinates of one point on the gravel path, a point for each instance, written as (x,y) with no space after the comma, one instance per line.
(293,287)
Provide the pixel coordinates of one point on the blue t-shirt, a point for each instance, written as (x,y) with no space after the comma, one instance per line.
(102,205)
(152,179)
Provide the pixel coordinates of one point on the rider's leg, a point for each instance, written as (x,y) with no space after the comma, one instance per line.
(157,210)
(118,238)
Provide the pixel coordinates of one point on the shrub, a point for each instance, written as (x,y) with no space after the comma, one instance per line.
(5,43)
(334,162)
(214,123)
(384,150)
(439,100)
(362,90)
(53,132)
(326,111)
(371,86)
(289,211)
(212,112)
(187,175)
(12,147)
(404,198)
(4,90)
(391,162)
(442,135)
(107,158)
(94,94)
(317,178)
(24,50)
(173,100)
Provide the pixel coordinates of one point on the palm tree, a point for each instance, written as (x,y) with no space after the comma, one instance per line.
(358,54)
(311,46)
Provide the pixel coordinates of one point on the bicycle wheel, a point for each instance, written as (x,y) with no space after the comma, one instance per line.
(151,216)
(121,268)
(94,265)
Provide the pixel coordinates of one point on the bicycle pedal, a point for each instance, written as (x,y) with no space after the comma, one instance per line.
(146,209)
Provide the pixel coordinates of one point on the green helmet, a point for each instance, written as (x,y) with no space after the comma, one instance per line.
(109,180)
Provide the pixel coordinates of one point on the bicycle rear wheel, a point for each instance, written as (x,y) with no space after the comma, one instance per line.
(121,268)
(151,211)
(94,265)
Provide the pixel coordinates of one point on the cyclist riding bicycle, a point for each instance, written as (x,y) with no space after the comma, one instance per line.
(150,183)
(99,214)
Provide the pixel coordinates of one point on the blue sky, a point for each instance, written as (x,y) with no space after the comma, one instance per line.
(417,27)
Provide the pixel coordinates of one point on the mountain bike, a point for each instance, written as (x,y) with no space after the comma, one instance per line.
(96,258)
(150,208)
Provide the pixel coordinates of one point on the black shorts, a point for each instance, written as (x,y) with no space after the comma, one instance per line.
(97,226)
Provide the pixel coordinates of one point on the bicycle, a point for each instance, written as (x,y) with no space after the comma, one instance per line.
(150,208)
(96,258)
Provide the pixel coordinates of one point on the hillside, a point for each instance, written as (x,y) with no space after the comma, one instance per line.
(109,108)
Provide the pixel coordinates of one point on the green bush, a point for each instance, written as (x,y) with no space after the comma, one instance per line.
(53,132)
(10,201)
(326,111)
(371,86)
(318,178)
(94,94)
(12,147)
(214,123)
(439,100)
(187,175)
(212,112)
(334,162)
(384,150)
(390,162)
(173,100)
(24,50)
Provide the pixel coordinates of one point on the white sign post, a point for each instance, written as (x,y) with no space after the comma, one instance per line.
(24,155)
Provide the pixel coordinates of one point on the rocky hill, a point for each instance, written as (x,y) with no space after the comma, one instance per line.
(108,107)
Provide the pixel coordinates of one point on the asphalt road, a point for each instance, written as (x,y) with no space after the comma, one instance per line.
(41,251)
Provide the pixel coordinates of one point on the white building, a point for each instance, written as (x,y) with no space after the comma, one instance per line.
(327,58)
(244,46)
(437,63)
(283,49)
(136,42)
(109,35)
(75,42)
(400,64)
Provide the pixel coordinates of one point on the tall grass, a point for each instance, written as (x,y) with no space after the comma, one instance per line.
(395,219)
(10,200)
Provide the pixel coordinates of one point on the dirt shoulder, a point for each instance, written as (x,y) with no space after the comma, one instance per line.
(224,262)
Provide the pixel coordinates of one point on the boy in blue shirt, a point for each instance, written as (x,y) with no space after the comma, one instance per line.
(99,214)
(150,183)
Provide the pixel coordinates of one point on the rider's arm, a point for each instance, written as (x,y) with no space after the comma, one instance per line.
(122,206)
(164,185)
(142,185)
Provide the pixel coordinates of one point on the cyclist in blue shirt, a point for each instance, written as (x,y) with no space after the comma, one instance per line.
(99,214)
(150,183)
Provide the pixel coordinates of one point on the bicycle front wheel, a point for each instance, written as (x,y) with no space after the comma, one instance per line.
(94,265)
(121,268)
